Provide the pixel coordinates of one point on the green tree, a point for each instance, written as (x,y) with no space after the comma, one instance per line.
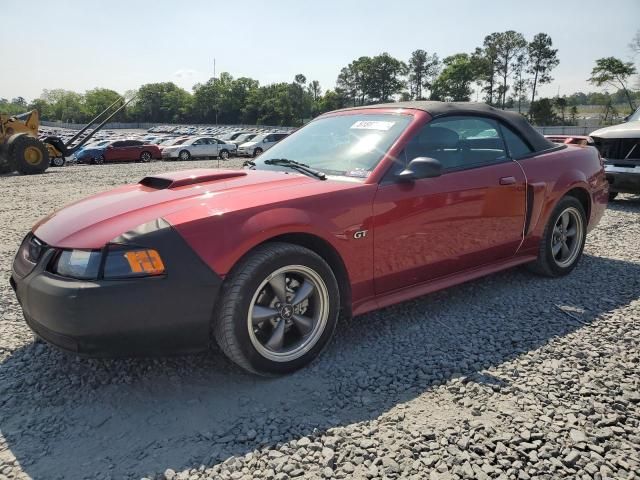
(385,77)
(561,104)
(423,70)
(509,46)
(613,71)
(573,115)
(485,61)
(542,59)
(65,105)
(353,80)
(541,112)
(162,102)
(98,99)
(454,82)
(520,84)
(314,90)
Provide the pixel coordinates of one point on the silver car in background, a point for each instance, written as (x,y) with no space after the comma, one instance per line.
(199,147)
(259,144)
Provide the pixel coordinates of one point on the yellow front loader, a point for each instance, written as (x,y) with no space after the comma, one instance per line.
(22,150)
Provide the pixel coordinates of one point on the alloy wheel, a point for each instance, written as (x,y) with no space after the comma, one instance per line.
(566,239)
(288,313)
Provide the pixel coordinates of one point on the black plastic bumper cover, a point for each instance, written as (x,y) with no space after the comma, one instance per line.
(143,316)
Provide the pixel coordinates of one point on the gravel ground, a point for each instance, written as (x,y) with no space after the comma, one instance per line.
(512,376)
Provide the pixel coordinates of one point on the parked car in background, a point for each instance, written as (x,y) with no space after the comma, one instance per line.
(245,137)
(260,144)
(619,145)
(199,147)
(90,152)
(583,140)
(233,135)
(122,151)
(359,209)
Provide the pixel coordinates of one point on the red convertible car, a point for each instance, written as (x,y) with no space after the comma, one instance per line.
(362,208)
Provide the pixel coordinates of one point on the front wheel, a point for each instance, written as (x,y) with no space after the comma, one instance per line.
(257,152)
(184,155)
(563,240)
(277,310)
(58,161)
(145,157)
(99,160)
(224,154)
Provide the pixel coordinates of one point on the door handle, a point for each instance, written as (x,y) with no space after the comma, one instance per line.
(507,180)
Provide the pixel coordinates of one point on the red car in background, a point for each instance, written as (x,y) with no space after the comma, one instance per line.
(583,140)
(128,151)
(359,209)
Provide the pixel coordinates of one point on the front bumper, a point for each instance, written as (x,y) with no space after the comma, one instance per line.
(144,316)
(169,155)
(244,153)
(623,178)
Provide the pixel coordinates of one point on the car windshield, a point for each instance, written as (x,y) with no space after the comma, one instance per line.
(257,138)
(174,141)
(342,145)
(635,116)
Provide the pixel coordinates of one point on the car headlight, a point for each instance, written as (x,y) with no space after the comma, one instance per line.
(119,262)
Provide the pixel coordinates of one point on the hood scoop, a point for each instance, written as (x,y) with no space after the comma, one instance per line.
(189,177)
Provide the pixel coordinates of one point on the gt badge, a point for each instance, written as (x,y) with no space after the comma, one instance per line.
(360,234)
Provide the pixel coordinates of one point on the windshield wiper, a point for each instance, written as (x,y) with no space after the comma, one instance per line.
(301,167)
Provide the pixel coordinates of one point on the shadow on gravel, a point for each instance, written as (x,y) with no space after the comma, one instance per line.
(75,418)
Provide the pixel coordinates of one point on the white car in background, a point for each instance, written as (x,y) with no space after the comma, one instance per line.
(199,147)
(619,146)
(259,144)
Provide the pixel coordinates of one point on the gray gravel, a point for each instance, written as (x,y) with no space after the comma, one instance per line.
(512,376)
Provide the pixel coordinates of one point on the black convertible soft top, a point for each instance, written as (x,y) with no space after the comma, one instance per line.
(440,109)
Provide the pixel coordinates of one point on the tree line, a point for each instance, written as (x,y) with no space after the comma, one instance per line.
(506,71)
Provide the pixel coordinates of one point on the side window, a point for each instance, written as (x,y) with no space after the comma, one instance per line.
(198,142)
(459,142)
(269,138)
(516,146)
(118,144)
(135,143)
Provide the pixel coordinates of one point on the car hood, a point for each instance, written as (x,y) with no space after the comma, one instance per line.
(94,221)
(624,130)
(248,144)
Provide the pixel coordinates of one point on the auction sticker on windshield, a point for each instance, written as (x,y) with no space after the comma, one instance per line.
(373,125)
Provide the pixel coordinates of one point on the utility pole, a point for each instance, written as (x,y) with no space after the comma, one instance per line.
(214,84)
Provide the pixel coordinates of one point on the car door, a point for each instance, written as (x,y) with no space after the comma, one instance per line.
(214,147)
(133,150)
(473,214)
(114,152)
(198,148)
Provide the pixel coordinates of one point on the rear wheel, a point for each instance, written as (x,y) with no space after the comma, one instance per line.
(145,157)
(257,152)
(224,154)
(28,155)
(563,240)
(278,309)
(184,155)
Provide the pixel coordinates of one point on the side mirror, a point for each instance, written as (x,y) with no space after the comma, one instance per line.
(265,141)
(421,167)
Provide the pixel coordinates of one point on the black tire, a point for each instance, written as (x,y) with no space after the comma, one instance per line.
(224,154)
(28,155)
(244,285)
(547,264)
(99,160)
(58,162)
(612,196)
(257,152)
(184,155)
(145,157)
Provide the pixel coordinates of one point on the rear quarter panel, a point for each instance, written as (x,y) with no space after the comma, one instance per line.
(551,175)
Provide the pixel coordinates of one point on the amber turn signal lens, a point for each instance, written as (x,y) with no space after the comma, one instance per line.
(145,261)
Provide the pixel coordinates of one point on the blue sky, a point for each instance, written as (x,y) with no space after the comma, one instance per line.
(119,44)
